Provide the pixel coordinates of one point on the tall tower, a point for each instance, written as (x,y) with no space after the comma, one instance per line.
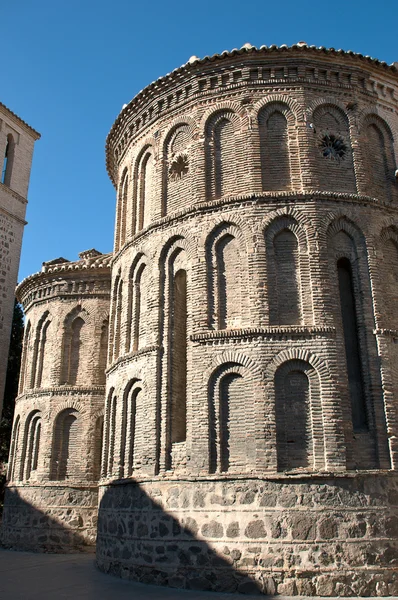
(17,139)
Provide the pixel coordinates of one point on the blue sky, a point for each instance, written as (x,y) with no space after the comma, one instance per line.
(68,67)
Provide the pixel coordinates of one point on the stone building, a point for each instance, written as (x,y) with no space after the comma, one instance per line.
(17,139)
(250,410)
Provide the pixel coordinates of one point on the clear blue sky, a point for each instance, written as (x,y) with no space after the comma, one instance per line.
(68,67)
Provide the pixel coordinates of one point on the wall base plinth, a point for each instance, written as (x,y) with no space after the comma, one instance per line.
(50,518)
(326,536)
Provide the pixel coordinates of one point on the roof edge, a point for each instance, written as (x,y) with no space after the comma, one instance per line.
(21,122)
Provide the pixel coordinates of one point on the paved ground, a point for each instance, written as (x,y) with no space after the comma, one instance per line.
(29,576)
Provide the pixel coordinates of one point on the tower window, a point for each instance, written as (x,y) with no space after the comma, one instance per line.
(8,160)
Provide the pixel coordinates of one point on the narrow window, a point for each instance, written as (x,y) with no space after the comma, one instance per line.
(99,431)
(112,436)
(287,289)
(224,171)
(352,345)
(32,444)
(274,145)
(67,451)
(14,449)
(228,282)
(293,426)
(8,161)
(178,379)
(103,349)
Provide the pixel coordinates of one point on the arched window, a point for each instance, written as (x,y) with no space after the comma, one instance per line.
(225,276)
(112,435)
(174,287)
(177,175)
(118,318)
(221,156)
(137,305)
(334,157)
(66,453)
(274,148)
(103,350)
(121,226)
(39,351)
(284,280)
(294,427)
(143,192)
(133,424)
(8,161)
(178,352)
(378,147)
(354,328)
(99,431)
(32,444)
(14,447)
(352,344)
(231,420)
(24,378)
(72,351)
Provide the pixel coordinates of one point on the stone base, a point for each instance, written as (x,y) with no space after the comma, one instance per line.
(326,536)
(51,518)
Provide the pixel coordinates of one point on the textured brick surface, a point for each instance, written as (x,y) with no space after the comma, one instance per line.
(13,194)
(250,426)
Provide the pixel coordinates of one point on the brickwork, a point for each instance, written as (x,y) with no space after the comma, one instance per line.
(16,150)
(56,444)
(250,426)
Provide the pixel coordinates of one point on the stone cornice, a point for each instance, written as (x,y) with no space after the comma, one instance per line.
(98,267)
(131,356)
(249,53)
(62,390)
(266,332)
(254,198)
(13,193)
(393,333)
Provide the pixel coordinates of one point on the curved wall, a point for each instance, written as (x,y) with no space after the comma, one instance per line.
(52,491)
(251,388)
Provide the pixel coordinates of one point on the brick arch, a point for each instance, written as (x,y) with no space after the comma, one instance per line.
(77,311)
(235,357)
(232,425)
(142,198)
(341,222)
(377,147)
(69,404)
(295,110)
(180,236)
(304,222)
(309,445)
(227,269)
(177,189)
(219,108)
(174,125)
(327,101)
(290,299)
(223,152)
(128,422)
(372,115)
(301,354)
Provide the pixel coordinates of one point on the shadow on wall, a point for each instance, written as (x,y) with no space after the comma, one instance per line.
(139,540)
(149,546)
(58,530)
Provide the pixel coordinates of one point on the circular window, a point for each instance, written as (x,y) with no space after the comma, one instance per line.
(178,167)
(333,146)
